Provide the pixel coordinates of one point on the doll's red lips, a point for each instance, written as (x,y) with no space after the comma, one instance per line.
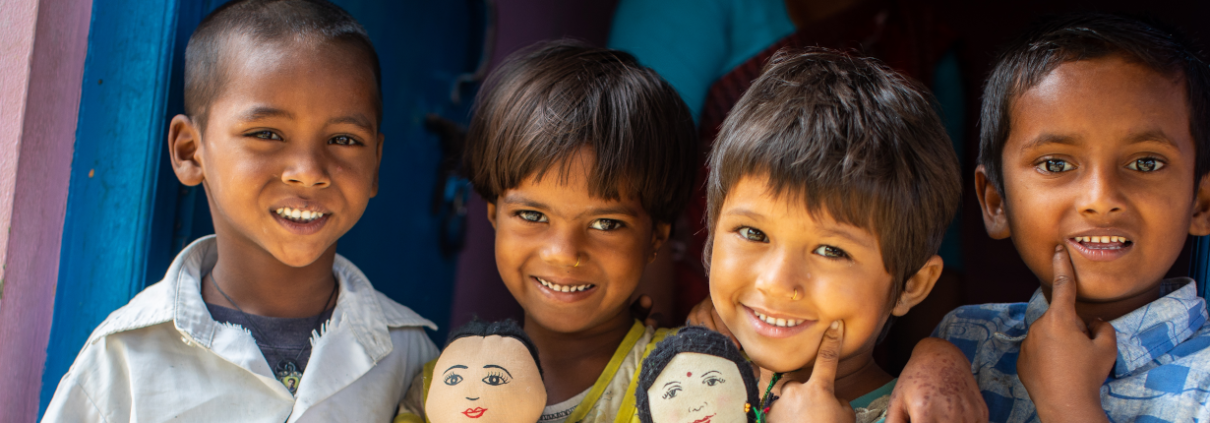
(475,413)
(704,419)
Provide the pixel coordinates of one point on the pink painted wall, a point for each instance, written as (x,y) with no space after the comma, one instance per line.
(42,48)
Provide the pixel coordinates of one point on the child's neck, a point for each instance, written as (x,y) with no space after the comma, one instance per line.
(572,362)
(1110,310)
(855,376)
(261,285)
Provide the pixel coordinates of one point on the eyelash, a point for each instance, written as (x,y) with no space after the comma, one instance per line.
(714,380)
(752,234)
(497,377)
(1154,163)
(671,392)
(452,380)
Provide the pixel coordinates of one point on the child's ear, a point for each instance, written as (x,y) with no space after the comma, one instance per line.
(377,167)
(185,150)
(1200,224)
(659,235)
(918,286)
(491,214)
(992,203)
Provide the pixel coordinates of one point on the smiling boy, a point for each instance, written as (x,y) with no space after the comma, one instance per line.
(263,321)
(830,188)
(1093,160)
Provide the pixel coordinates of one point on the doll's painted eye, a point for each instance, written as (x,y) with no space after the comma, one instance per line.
(452,380)
(671,392)
(713,380)
(496,379)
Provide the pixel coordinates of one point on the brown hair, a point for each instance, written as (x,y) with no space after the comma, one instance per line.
(548,101)
(847,135)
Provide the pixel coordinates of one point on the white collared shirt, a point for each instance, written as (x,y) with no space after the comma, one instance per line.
(162,357)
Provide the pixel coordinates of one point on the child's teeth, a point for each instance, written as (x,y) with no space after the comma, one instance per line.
(563,288)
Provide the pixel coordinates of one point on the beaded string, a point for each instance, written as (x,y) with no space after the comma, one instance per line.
(762,412)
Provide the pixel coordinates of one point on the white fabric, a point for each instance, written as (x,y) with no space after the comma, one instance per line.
(162,357)
(558,413)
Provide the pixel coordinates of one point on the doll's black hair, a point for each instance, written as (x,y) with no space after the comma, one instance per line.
(507,328)
(693,339)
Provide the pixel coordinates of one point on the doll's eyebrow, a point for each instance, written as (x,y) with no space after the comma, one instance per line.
(675,382)
(456,366)
(493,366)
(709,372)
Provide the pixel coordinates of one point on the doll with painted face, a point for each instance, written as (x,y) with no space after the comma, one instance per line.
(696,376)
(488,373)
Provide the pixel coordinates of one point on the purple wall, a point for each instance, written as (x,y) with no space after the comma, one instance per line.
(41,66)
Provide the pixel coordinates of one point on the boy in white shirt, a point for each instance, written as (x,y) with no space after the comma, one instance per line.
(263,321)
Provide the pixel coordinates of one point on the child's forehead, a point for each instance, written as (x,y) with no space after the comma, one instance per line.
(1091,102)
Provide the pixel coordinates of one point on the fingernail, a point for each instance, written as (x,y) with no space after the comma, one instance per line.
(1058,248)
(835,324)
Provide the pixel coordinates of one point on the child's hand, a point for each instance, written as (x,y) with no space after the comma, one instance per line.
(641,309)
(937,386)
(815,401)
(1063,362)
(705,316)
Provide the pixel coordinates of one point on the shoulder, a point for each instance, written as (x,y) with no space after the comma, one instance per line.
(969,327)
(151,307)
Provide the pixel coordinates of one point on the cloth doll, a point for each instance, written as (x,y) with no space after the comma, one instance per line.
(488,372)
(696,376)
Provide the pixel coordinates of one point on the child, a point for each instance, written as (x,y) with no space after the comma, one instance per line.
(585,158)
(831,185)
(263,321)
(1093,159)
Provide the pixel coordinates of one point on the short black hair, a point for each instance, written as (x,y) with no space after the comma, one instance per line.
(1086,36)
(262,21)
(548,101)
(506,328)
(692,339)
(845,135)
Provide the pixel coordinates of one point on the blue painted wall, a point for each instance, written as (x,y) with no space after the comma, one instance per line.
(127,216)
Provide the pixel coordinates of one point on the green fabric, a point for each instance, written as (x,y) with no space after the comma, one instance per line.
(865,400)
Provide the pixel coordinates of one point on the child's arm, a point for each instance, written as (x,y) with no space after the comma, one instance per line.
(936,370)
(815,401)
(1064,362)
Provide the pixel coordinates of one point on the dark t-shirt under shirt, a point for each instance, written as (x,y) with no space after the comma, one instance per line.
(279,339)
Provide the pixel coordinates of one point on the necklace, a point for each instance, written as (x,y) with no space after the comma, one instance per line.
(286,369)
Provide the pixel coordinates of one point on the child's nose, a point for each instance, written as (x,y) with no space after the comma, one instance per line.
(1104,193)
(563,248)
(781,276)
(306,168)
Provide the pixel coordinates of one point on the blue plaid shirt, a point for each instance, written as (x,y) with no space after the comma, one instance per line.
(1162,373)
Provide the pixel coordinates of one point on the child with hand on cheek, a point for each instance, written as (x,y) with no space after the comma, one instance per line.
(263,322)
(831,186)
(1093,158)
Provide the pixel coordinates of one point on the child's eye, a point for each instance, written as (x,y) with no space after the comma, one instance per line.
(266,135)
(1146,164)
(1055,166)
(713,380)
(496,379)
(830,252)
(343,140)
(531,216)
(672,392)
(753,234)
(452,380)
(606,224)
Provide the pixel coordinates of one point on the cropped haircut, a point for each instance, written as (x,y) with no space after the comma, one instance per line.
(210,50)
(848,136)
(547,102)
(693,339)
(1030,58)
(506,328)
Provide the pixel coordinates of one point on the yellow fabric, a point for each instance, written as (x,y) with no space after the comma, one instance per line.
(629,413)
(598,388)
(408,418)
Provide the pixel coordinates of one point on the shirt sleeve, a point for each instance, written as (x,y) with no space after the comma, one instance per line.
(72,402)
(685,41)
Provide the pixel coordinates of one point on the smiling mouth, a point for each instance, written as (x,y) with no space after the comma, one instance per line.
(1103,242)
(564,288)
(776,321)
(704,419)
(298,216)
(475,413)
